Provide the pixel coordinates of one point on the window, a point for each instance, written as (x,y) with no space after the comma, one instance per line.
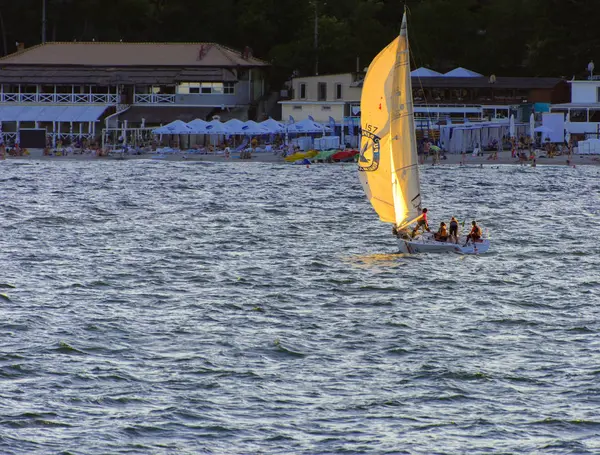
(578,115)
(594,116)
(205,88)
(338,91)
(229,88)
(302,91)
(598,94)
(322,91)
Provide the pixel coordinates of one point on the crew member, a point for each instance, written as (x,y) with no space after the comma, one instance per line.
(475,233)
(421,222)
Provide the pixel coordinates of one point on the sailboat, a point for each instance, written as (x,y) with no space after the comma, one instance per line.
(388,162)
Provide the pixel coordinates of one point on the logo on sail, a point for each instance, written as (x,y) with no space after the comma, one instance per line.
(369,151)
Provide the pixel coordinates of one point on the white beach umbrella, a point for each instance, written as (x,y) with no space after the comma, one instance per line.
(251,128)
(216,127)
(532,126)
(234,125)
(274,126)
(175,127)
(511,126)
(567,129)
(197,125)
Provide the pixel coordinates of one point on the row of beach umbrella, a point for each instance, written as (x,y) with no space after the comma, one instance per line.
(237,127)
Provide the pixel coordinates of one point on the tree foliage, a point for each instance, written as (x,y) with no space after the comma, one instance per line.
(504,37)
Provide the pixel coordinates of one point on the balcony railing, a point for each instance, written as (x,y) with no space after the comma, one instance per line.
(60,98)
(154,99)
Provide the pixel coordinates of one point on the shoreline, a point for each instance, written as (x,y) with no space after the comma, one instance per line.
(504,158)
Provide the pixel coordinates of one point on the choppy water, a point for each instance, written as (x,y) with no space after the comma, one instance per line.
(185,308)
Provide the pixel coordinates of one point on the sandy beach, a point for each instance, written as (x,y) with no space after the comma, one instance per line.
(452,159)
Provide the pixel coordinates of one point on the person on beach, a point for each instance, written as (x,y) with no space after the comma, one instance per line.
(475,233)
(442,234)
(421,223)
(454,229)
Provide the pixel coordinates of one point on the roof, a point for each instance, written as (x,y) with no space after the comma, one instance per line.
(424,72)
(155,115)
(462,72)
(131,54)
(83,113)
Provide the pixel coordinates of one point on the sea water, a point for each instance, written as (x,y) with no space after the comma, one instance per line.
(236,308)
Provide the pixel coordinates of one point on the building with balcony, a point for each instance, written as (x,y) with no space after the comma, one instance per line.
(458,95)
(582,113)
(72,89)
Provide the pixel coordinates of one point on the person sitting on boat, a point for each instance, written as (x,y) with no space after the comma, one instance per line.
(442,234)
(421,223)
(454,229)
(475,233)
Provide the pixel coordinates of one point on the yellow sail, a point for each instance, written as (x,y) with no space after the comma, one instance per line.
(388,162)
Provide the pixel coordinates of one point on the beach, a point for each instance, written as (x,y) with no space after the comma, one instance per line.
(263,157)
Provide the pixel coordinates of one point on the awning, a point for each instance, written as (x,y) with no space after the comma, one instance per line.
(156,115)
(83,113)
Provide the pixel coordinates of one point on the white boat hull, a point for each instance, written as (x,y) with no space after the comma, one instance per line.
(427,244)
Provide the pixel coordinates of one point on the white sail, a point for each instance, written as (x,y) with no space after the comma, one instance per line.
(388,161)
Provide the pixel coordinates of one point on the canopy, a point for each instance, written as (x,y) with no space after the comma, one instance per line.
(273,126)
(425,72)
(307,126)
(83,113)
(462,72)
(175,127)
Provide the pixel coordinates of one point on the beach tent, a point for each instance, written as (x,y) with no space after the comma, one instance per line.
(307,126)
(175,127)
(462,72)
(274,126)
(425,72)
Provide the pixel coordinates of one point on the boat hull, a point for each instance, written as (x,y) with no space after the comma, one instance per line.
(429,245)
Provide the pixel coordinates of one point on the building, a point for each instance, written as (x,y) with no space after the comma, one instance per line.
(583,110)
(458,95)
(71,89)
(332,95)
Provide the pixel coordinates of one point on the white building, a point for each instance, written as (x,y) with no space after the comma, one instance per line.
(583,112)
(332,95)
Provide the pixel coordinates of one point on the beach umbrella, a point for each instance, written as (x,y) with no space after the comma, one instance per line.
(567,129)
(175,127)
(532,126)
(216,127)
(307,126)
(234,125)
(273,126)
(251,128)
(197,125)
(511,126)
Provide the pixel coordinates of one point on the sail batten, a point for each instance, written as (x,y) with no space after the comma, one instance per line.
(388,161)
